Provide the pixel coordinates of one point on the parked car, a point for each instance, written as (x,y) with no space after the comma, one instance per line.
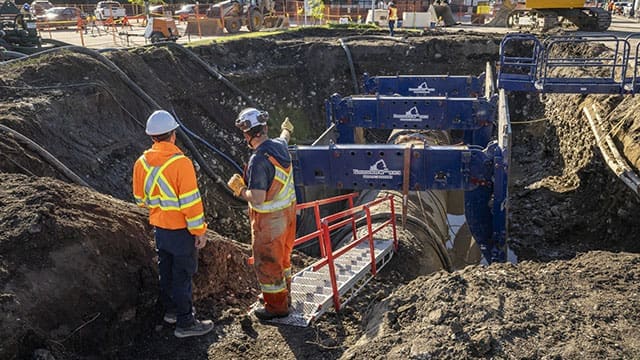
(38,7)
(108,9)
(62,14)
(190,10)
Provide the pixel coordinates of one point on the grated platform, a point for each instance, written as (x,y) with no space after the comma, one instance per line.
(311,293)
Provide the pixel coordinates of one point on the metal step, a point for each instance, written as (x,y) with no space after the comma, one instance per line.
(311,292)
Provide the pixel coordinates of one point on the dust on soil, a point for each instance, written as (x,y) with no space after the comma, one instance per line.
(77,266)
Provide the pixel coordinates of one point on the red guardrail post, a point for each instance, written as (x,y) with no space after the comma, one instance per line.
(393,224)
(370,235)
(316,213)
(353,220)
(332,271)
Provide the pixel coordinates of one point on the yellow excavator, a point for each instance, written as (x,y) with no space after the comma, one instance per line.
(547,14)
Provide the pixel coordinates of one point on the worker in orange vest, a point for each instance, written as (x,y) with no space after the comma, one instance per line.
(164,180)
(268,188)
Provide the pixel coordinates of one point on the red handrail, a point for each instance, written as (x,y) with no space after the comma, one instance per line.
(316,210)
(347,217)
(327,226)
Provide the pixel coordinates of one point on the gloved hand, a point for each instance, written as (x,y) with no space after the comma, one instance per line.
(287,125)
(236,183)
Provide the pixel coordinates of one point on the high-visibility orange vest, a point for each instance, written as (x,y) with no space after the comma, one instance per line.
(281,193)
(164,180)
(393,13)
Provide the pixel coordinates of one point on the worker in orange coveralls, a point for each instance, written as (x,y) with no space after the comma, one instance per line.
(268,188)
(164,180)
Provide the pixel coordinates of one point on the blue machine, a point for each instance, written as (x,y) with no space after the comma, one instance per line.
(475,116)
(479,168)
(425,85)
(526,64)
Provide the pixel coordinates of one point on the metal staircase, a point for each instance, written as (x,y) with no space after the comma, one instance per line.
(336,278)
(312,293)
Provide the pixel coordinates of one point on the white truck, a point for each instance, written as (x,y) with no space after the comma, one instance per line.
(109,9)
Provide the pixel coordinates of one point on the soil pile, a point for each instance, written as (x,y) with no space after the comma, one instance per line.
(78,269)
(561,309)
(77,264)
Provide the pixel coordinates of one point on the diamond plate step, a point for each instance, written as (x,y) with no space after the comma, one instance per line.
(311,292)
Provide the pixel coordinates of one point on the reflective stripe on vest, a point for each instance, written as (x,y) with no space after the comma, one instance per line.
(273,288)
(284,198)
(167,199)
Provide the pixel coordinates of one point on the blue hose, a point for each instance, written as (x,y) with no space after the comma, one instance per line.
(208,145)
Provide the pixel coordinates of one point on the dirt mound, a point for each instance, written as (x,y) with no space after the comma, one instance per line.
(78,269)
(70,257)
(563,309)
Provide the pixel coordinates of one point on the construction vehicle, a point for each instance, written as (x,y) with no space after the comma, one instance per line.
(158,29)
(235,14)
(161,29)
(548,14)
(18,30)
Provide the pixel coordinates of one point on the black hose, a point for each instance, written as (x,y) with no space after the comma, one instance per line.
(351,66)
(10,55)
(350,58)
(143,95)
(47,156)
(207,144)
(210,70)
(218,75)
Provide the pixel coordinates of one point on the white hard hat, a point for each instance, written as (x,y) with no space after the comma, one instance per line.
(250,118)
(160,122)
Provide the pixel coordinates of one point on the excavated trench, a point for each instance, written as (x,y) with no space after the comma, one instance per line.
(76,262)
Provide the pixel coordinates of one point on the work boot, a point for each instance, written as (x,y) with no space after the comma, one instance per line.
(170,318)
(262,314)
(196,329)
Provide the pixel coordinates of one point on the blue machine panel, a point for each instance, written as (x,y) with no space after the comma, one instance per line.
(474,115)
(425,85)
(381,166)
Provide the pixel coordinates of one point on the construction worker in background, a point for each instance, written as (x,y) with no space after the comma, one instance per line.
(164,180)
(393,17)
(267,186)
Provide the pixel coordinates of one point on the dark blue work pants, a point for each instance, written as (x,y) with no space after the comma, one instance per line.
(392,25)
(177,262)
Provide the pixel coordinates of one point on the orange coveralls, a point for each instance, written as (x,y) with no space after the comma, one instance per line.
(273,231)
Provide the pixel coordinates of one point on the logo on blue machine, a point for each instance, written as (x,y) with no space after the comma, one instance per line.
(379,170)
(411,115)
(422,89)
